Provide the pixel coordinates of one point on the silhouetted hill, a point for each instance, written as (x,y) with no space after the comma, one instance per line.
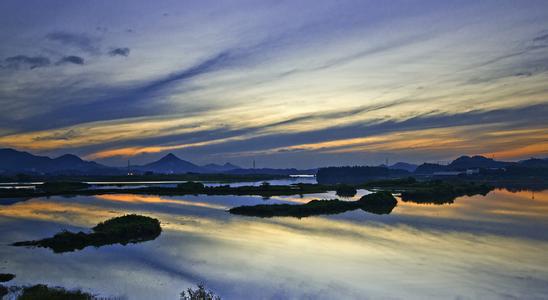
(170,164)
(428,168)
(220,168)
(476,162)
(404,166)
(13,161)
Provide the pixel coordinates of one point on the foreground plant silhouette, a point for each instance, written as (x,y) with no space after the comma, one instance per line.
(120,230)
(199,293)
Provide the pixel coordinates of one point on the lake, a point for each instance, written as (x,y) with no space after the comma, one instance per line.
(480,247)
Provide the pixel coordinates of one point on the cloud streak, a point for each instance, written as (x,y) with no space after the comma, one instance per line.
(71,59)
(24,61)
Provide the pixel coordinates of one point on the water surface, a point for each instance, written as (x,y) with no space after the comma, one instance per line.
(479,247)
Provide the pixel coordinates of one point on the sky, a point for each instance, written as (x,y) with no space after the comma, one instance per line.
(285,83)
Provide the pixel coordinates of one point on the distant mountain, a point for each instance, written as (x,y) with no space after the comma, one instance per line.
(13,161)
(220,168)
(272,171)
(476,162)
(357,175)
(171,164)
(428,168)
(73,162)
(403,166)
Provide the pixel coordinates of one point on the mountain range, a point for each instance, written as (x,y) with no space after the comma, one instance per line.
(13,162)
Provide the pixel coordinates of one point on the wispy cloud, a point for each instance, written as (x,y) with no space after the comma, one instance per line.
(80,41)
(71,59)
(119,52)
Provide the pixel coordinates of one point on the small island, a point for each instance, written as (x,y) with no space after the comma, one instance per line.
(431,191)
(377,203)
(120,230)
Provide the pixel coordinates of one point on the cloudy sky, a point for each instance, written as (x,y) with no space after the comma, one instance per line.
(287,83)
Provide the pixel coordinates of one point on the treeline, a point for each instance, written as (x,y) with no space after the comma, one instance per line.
(356,175)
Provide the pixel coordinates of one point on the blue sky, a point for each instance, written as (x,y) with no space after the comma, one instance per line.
(287,83)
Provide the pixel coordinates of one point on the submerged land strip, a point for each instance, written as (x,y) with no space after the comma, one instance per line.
(188,188)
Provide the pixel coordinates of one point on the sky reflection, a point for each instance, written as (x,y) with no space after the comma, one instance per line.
(418,251)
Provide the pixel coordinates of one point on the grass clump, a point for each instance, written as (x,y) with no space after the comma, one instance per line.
(119,230)
(44,292)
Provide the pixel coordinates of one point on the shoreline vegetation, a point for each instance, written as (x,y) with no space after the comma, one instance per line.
(120,230)
(377,203)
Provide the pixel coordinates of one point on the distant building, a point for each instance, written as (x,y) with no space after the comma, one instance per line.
(447,173)
(472,171)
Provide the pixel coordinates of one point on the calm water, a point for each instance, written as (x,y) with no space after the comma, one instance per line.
(488,247)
